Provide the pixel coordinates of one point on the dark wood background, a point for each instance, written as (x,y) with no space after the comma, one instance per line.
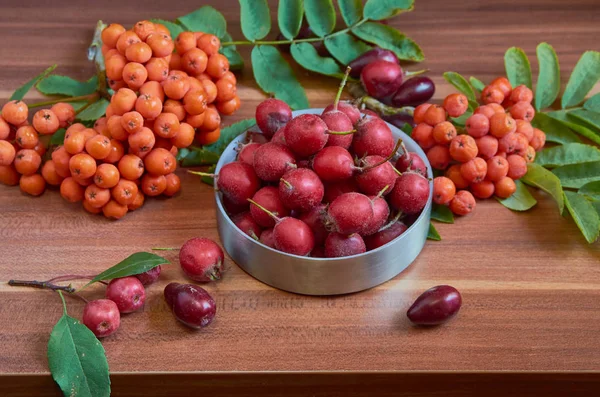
(530,324)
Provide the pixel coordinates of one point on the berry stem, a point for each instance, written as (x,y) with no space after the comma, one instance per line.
(338,95)
(416,72)
(41,285)
(375,105)
(272,215)
(390,223)
(289,185)
(164,249)
(382,191)
(69,277)
(281,42)
(396,170)
(391,156)
(89,97)
(202,173)
(341,132)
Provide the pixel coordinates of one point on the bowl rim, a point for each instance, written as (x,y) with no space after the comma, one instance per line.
(404,235)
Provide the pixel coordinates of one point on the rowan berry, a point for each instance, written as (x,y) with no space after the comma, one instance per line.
(521,93)
(217,66)
(439,157)
(162,45)
(456,104)
(194,102)
(132,122)
(477,125)
(503,84)
(517,166)
(176,86)
(114,210)
(27,137)
(106,176)
(530,154)
(158,69)
(32,184)
(175,62)
(138,52)
(82,166)
(71,191)
(64,112)
(194,61)
(124,192)
(463,203)
(166,125)
(497,168)
(492,94)
(4,129)
(111,34)
(142,141)
(502,124)
(483,189)
(485,110)
(148,106)
(210,89)
(174,107)
(96,196)
(229,107)
(173,185)
(137,202)
(208,137)
(419,113)
(434,114)
(27,161)
(226,90)
(143,29)
(127,39)
(209,44)
(185,136)
(443,190)
(153,185)
(134,75)
(539,139)
(463,148)
(523,111)
(7,153)
(474,170)
(505,187)
(184,42)
(423,135)
(15,112)
(212,119)
(123,101)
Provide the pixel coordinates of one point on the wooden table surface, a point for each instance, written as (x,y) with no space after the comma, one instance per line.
(530,283)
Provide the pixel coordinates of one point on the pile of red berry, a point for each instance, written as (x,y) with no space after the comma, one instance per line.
(489,155)
(321,185)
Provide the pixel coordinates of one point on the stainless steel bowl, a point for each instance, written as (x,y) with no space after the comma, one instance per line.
(323,276)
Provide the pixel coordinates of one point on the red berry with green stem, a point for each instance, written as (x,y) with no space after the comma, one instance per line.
(375,174)
(410,194)
(411,161)
(246,223)
(381,78)
(271,115)
(333,163)
(237,181)
(291,235)
(246,153)
(339,245)
(102,317)
(348,109)
(381,212)
(191,304)
(300,189)
(350,213)
(373,137)
(336,120)
(376,54)
(268,197)
(306,134)
(272,160)
(128,293)
(201,259)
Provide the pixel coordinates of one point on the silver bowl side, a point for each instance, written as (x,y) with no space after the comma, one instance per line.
(323,276)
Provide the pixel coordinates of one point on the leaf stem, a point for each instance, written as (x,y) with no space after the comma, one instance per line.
(62,298)
(164,249)
(272,215)
(283,42)
(390,223)
(41,285)
(69,277)
(338,95)
(89,97)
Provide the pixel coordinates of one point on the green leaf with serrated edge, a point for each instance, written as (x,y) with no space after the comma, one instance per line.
(584,214)
(596,205)
(289,17)
(307,56)
(205,19)
(593,103)
(351,10)
(441,213)
(517,67)
(137,263)
(591,190)
(570,153)
(539,177)
(555,130)
(58,137)
(585,123)
(575,124)
(461,84)
(255,19)
(209,180)
(477,84)
(94,111)
(182,153)
(548,81)
(383,9)
(228,134)
(433,233)
(592,119)
(77,359)
(199,156)
(521,200)
(577,175)
(583,78)
(461,120)
(24,89)
(320,15)
(275,76)
(389,38)
(346,48)
(64,85)
(174,28)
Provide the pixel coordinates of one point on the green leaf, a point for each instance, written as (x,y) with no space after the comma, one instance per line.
(236,62)
(539,177)
(596,205)
(174,28)
(77,359)
(575,124)
(24,89)
(442,213)
(521,200)
(58,137)
(195,156)
(517,67)
(585,75)
(94,111)
(320,16)
(351,10)
(570,153)
(433,233)
(308,57)
(63,85)
(577,175)
(591,190)
(383,9)
(389,38)
(275,76)
(548,81)
(461,84)
(289,17)
(345,47)
(228,134)
(584,214)
(137,263)
(205,19)
(554,129)
(255,18)
(593,103)
(477,84)
(591,119)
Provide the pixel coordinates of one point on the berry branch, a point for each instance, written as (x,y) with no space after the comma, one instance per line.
(90,97)
(41,285)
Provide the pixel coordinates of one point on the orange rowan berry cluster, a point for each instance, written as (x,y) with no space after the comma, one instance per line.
(497,143)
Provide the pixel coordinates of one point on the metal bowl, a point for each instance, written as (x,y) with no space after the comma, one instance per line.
(323,276)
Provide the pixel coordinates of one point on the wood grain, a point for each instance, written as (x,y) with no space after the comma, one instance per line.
(530,283)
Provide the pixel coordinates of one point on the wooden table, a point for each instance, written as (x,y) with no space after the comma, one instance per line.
(530,324)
